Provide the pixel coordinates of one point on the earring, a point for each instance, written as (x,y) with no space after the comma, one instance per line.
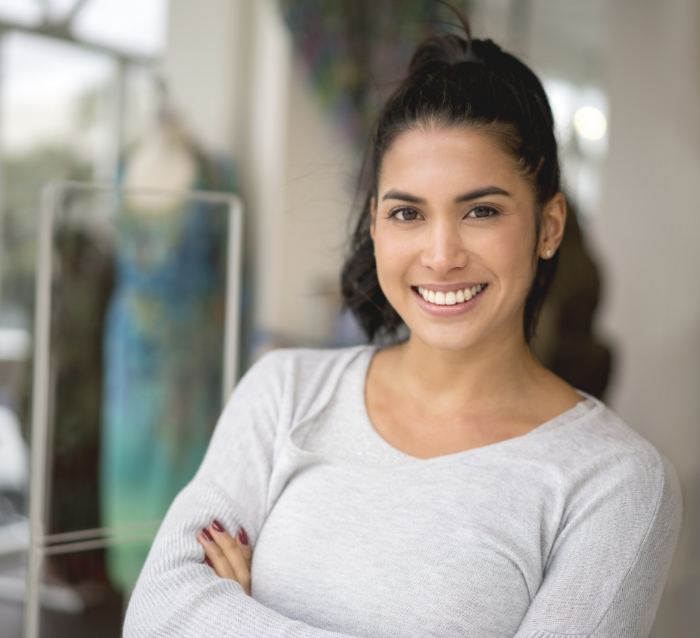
(548,253)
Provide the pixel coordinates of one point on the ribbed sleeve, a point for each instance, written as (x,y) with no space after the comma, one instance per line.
(176,596)
(608,566)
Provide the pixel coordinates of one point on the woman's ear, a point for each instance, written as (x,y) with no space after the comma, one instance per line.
(553,224)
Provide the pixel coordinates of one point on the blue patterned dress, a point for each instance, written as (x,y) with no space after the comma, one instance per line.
(163,366)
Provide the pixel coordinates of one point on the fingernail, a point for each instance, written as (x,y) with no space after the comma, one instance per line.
(207,561)
(218,526)
(207,535)
(242,536)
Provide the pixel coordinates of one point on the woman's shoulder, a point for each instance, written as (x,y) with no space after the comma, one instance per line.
(605,432)
(591,431)
(296,360)
(603,449)
(307,376)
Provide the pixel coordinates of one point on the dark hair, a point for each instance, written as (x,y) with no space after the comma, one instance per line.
(457,81)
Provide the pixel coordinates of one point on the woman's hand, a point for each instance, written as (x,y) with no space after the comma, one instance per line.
(228,556)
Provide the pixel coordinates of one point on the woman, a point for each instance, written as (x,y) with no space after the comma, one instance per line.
(446,484)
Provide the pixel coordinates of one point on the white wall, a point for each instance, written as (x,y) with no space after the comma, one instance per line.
(199,65)
(320,177)
(230,68)
(647,234)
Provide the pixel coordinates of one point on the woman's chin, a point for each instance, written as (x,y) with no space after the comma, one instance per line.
(442,338)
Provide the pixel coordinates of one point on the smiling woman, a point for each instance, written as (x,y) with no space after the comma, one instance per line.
(453,202)
(443,484)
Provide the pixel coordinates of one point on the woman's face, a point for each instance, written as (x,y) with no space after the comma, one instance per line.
(454,221)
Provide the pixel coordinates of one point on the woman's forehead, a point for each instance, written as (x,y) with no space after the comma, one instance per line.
(436,158)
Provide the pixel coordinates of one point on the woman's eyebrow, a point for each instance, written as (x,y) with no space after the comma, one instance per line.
(464,197)
(482,192)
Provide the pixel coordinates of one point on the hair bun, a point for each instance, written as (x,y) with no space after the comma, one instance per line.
(444,54)
(487,52)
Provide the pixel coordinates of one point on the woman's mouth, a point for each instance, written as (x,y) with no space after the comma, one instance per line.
(450,303)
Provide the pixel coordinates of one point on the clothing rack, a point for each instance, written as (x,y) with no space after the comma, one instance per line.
(42,544)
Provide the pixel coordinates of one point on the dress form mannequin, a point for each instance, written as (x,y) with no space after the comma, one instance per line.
(163,161)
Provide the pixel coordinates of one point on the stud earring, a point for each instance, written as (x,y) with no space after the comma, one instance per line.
(548,253)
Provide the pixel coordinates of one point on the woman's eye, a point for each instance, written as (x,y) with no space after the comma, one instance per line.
(482,211)
(404,214)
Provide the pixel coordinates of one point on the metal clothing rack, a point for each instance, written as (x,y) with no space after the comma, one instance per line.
(42,544)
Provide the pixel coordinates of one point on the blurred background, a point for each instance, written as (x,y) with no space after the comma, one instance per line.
(268,102)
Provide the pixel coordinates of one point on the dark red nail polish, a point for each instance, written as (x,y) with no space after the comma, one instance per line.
(242,536)
(207,561)
(207,535)
(218,526)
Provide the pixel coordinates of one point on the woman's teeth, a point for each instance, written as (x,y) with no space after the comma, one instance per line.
(451,298)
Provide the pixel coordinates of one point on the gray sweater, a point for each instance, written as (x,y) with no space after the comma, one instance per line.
(568,530)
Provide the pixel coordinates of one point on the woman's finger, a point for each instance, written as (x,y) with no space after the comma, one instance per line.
(244,544)
(216,556)
(233,551)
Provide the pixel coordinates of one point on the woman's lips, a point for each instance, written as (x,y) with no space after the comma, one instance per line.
(448,311)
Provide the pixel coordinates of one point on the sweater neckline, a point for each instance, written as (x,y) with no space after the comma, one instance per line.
(587,406)
(361,356)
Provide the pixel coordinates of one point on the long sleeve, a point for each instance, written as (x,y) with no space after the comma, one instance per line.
(178,596)
(609,563)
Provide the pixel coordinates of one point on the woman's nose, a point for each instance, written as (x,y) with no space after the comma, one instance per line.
(444,249)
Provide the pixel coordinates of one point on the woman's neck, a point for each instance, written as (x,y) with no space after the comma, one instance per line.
(482,378)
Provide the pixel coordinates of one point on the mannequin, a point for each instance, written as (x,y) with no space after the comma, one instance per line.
(164,160)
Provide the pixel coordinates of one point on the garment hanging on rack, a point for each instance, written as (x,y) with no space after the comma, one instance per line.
(164,340)
(83,284)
